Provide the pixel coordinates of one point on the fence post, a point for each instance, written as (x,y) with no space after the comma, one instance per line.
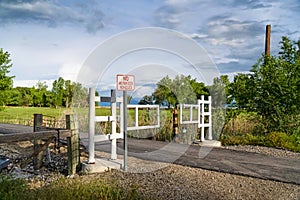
(38,156)
(73,145)
(175,123)
(91,148)
(113,127)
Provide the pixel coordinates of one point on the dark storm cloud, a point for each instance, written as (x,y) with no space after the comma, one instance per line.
(51,13)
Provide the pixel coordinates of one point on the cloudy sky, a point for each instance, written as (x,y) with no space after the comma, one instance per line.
(52,38)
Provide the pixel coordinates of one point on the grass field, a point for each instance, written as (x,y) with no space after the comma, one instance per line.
(24,115)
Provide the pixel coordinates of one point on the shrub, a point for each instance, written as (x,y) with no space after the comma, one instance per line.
(12,188)
(277,139)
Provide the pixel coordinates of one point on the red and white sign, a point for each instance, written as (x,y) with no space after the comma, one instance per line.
(125,82)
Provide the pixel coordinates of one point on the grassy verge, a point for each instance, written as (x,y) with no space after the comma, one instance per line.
(65,188)
(273,139)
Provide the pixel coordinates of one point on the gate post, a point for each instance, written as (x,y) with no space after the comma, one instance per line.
(38,156)
(73,145)
(175,123)
(209,119)
(113,127)
(91,126)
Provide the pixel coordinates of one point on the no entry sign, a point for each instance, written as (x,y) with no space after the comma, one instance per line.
(125,82)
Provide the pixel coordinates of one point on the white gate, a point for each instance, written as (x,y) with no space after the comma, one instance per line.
(113,119)
(204,118)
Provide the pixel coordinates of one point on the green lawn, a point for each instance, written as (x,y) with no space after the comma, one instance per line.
(22,115)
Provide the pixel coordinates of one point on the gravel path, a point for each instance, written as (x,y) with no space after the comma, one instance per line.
(179,182)
(171,181)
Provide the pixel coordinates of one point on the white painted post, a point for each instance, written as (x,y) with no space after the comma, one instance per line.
(121,117)
(113,125)
(125,130)
(199,112)
(202,119)
(210,119)
(136,111)
(91,147)
(191,113)
(181,113)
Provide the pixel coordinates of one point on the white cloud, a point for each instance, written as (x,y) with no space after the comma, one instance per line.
(31,83)
(69,71)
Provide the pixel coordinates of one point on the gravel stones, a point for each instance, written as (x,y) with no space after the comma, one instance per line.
(155,180)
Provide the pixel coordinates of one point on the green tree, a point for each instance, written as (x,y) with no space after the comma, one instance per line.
(40,94)
(199,88)
(242,90)
(277,81)
(147,99)
(58,92)
(181,89)
(6,81)
(218,91)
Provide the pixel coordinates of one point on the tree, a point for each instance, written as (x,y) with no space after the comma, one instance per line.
(277,81)
(179,90)
(218,91)
(242,90)
(6,82)
(40,97)
(58,92)
(147,100)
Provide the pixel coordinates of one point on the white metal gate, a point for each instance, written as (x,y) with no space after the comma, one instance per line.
(204,117)
(113,120)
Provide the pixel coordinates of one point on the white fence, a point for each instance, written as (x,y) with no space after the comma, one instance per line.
(204,117)
(136,118)
(113,120)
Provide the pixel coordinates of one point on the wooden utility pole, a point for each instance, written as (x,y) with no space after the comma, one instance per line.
(268,40)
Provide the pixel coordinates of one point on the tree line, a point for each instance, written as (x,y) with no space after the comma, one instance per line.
(61,94)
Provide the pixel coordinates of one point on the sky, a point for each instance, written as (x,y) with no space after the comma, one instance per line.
(52,38)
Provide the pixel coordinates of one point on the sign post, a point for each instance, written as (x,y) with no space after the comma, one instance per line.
(125,83)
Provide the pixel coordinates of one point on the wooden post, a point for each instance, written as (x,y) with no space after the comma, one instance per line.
(37,143)
(175,123)
(73,145)
(268,40)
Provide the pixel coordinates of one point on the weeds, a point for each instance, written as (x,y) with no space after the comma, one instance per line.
(65,188)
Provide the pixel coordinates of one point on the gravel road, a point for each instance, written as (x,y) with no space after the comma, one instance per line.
(170,181)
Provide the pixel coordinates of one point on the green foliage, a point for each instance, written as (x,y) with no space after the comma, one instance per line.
(277,91)
(11,189)
(219,92)
(181,89)
(241,122)
(273,139)
(242,90)
(62,95)
(66,188)
(6,81)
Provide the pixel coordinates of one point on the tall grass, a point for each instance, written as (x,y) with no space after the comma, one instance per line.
(65,188)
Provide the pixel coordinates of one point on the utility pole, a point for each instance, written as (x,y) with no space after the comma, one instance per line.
(268,40)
